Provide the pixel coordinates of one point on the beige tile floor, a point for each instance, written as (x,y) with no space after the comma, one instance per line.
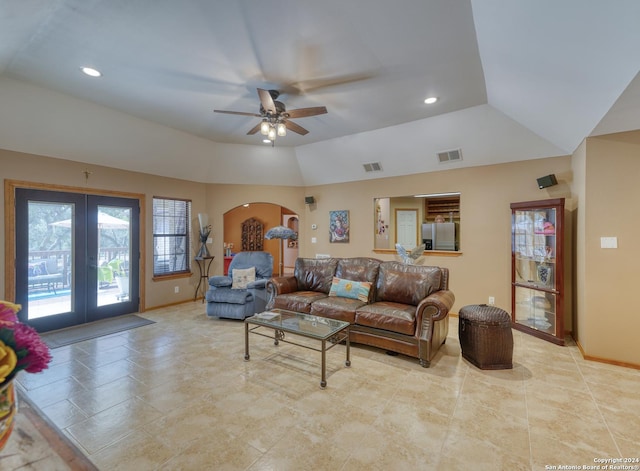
(177,395)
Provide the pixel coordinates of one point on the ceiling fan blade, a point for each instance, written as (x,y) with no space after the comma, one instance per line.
(241,113)
(291,126)
(266,100)
(313,85)
(254,129)
(306,112)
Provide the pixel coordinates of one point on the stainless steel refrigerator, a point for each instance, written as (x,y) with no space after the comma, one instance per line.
(439,236)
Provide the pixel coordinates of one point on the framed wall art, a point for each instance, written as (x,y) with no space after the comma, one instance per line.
(338,226)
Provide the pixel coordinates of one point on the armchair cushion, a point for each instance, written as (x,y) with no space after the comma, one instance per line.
(229,295)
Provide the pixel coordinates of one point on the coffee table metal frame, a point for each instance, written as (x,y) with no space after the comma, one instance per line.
(326,330)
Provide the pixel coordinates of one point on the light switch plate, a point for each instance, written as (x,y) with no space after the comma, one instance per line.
(608,242)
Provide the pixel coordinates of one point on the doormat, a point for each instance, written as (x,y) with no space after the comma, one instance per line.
(60,338)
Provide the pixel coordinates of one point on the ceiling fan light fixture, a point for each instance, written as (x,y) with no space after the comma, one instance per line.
(264,127)
(272,134)
(282,129)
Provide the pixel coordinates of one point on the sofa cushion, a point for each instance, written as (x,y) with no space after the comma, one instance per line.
(396,317)
(359,269)
(406,284)
(300,301)
(315,274)
(242,277)
(342,309)
(350,289)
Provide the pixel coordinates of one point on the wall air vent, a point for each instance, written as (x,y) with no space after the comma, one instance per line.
(450,156)
(372,167)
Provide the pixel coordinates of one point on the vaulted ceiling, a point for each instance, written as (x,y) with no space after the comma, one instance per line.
(515,80)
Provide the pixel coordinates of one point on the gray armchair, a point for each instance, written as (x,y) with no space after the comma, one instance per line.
(225,301)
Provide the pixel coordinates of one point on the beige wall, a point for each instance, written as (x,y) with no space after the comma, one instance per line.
(223,198)
(600,176)
(37,169)
(608,317)
(484,267)
(579,167)
(269,214)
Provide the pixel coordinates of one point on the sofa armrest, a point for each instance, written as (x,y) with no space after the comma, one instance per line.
(280,285)
(220,281)
(437,305)
(258,284)
(283,284)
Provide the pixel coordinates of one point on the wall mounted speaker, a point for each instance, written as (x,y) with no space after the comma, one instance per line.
(547,181)
(309,200)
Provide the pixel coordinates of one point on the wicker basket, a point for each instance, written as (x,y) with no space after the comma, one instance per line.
(485,336)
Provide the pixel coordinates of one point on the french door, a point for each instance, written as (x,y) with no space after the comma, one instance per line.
(77,257)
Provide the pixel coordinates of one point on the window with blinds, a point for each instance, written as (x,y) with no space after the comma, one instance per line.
(171,236)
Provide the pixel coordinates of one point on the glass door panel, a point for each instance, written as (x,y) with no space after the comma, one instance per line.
(77,257)
(50,259)
(50,250)
(113,255)
(535,309)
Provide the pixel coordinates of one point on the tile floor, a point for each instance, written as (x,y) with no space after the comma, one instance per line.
(177,395)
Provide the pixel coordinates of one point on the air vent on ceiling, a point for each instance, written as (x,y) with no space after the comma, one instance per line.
(372,167)
(450,155)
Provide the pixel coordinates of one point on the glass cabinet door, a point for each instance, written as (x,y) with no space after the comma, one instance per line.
(537,268)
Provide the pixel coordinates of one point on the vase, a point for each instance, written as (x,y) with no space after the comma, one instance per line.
(204,251)
(8,410)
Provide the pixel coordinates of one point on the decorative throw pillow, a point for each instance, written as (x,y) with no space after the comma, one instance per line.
(242,277)
(350,289)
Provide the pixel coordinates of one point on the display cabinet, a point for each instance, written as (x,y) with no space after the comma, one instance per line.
(537,266)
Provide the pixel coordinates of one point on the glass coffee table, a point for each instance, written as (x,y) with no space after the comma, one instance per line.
(329,332)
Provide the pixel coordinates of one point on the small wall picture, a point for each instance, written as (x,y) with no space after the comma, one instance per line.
(338,226)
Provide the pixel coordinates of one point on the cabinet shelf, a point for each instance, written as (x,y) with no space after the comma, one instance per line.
(442,206)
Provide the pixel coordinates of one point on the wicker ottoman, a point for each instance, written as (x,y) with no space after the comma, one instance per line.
(485,336)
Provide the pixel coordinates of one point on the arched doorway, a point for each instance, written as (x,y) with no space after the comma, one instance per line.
(269,215)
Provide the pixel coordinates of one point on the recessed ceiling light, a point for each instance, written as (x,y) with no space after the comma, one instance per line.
(266,141)
(91,72)
(431,100)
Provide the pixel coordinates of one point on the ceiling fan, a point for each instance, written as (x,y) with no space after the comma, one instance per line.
(275,117)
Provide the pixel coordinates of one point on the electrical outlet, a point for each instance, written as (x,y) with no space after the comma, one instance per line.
(176,289)
(492,300)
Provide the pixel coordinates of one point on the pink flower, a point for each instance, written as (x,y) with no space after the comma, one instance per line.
(8,313)
(37,352)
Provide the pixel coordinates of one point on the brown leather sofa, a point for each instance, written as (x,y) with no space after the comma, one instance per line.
(407,309)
